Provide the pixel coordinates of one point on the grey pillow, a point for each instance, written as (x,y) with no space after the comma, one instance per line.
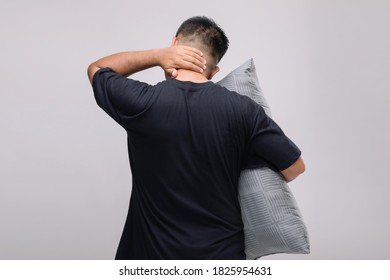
(272,220)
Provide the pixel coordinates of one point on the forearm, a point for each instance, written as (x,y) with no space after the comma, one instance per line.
(127,63)
(294,170)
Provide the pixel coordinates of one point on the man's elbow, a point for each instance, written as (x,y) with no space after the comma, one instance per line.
(296,169)
(301,167)
(92,69)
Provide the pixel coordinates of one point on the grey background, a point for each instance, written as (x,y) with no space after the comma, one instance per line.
(64,174)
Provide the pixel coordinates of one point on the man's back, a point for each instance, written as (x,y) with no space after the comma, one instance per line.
(186,146)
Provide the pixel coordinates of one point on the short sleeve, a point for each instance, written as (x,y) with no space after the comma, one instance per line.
(268,145)
(119,96)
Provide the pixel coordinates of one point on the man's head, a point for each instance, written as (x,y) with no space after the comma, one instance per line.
(204,34)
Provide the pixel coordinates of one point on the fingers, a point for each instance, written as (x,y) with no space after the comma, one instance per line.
(193,65)
(191,50)
(193,60)
(174,73)
(183,57)
(197,57)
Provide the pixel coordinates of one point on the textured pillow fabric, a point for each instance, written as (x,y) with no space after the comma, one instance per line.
(272,221)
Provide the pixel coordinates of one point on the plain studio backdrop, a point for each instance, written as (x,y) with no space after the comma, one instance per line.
(65,180)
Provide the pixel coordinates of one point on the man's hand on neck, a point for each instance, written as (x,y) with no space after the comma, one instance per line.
(170,59)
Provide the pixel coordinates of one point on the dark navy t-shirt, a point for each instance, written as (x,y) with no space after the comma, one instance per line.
(187,144)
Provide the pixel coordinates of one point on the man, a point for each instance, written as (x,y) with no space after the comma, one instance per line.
(188,140)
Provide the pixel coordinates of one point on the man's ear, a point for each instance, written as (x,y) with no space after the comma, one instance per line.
(174,41)
(213,72)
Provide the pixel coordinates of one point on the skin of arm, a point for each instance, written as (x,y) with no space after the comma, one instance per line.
(170,59)
(292,172)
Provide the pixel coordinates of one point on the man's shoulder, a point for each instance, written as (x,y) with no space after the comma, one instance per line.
(234,96)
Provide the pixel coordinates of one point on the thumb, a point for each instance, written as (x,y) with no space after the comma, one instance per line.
(172,72)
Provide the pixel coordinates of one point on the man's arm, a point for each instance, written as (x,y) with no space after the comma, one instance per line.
(170,59)
(292,172)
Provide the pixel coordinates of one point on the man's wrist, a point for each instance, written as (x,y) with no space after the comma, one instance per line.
(157,56)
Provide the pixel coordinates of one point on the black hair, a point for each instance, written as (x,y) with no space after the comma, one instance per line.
(207,32)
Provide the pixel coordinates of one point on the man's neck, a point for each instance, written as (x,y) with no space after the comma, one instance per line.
(191,76)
